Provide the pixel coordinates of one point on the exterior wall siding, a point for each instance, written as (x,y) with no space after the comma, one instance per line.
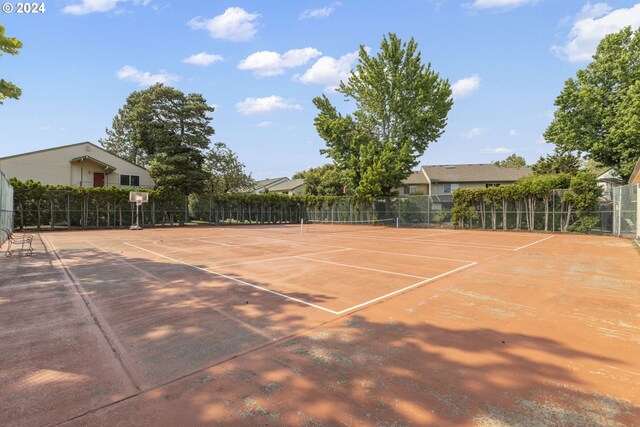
(438,189)
(54,167)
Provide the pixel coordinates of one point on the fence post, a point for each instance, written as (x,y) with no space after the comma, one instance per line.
(553,198)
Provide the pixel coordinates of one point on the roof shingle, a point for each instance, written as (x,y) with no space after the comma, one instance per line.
(475,173)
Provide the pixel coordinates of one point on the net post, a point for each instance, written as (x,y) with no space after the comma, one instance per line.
(397,222)
(301,225)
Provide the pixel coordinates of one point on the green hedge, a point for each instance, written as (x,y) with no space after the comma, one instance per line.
(527,204)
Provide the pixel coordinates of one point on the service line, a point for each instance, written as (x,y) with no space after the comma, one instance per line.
(304,257)
(282,257)
(242,282)
(359,249)
(534,243)
(415,285)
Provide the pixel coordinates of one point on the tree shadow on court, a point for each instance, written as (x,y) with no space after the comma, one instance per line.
(361,372)
(229,354)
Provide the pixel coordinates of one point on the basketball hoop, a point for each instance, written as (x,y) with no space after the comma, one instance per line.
(138,197)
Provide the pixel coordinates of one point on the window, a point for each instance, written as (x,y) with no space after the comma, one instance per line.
(450,188)
(130,180)
(409,189)
(492,185)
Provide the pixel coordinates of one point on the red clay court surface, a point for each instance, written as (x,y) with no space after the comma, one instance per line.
(360,326)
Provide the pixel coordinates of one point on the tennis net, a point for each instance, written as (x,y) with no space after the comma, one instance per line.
(326,226)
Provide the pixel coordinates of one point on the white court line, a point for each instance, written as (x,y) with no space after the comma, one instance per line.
(406,289)
(247,244)
(534,243)
(209,241)
(468,245)
(360,249)
(359,268)
(432,236)
(279,258)
(242,282)
(412,255)
(623,370)
(290,241)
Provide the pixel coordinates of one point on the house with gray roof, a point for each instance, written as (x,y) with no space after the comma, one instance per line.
(82,164)
(267,184)
(608,181)
(415,184)
(290,187)
(440,181)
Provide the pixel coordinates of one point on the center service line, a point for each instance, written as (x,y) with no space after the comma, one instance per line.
(235,280)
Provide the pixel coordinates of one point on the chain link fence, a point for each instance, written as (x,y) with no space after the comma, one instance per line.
(62,209)
(626,216)
(6,206)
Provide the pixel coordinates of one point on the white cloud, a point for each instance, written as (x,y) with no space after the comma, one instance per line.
(540,140)
(329,71)
(465,87)
(266,63)
(91,6)
(474,133)
(264,124)
(500,4)
(591,25)
(235,24)
(145,78)
(268,104)
(513,132)
(322,12)
(498,150)
(203,59)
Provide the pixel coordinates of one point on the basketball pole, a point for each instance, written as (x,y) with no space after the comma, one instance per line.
(136,226)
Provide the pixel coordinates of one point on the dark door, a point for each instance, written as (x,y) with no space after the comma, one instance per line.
(98,179)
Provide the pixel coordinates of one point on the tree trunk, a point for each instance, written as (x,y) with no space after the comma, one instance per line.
(566,226)
(494,216)
(505,206)
(546,213)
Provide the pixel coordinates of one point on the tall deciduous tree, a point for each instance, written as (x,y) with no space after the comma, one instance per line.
(11,46)
(167,130)
(599,110)
(513,161)
(401,107)
(323,180)
(557,163)
(226,173)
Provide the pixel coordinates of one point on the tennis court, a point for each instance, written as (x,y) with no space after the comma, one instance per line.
(320,324)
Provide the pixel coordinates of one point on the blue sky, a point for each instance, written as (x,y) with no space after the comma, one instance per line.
(260,63)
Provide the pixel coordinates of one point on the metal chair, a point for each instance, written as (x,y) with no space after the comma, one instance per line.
(20,245)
